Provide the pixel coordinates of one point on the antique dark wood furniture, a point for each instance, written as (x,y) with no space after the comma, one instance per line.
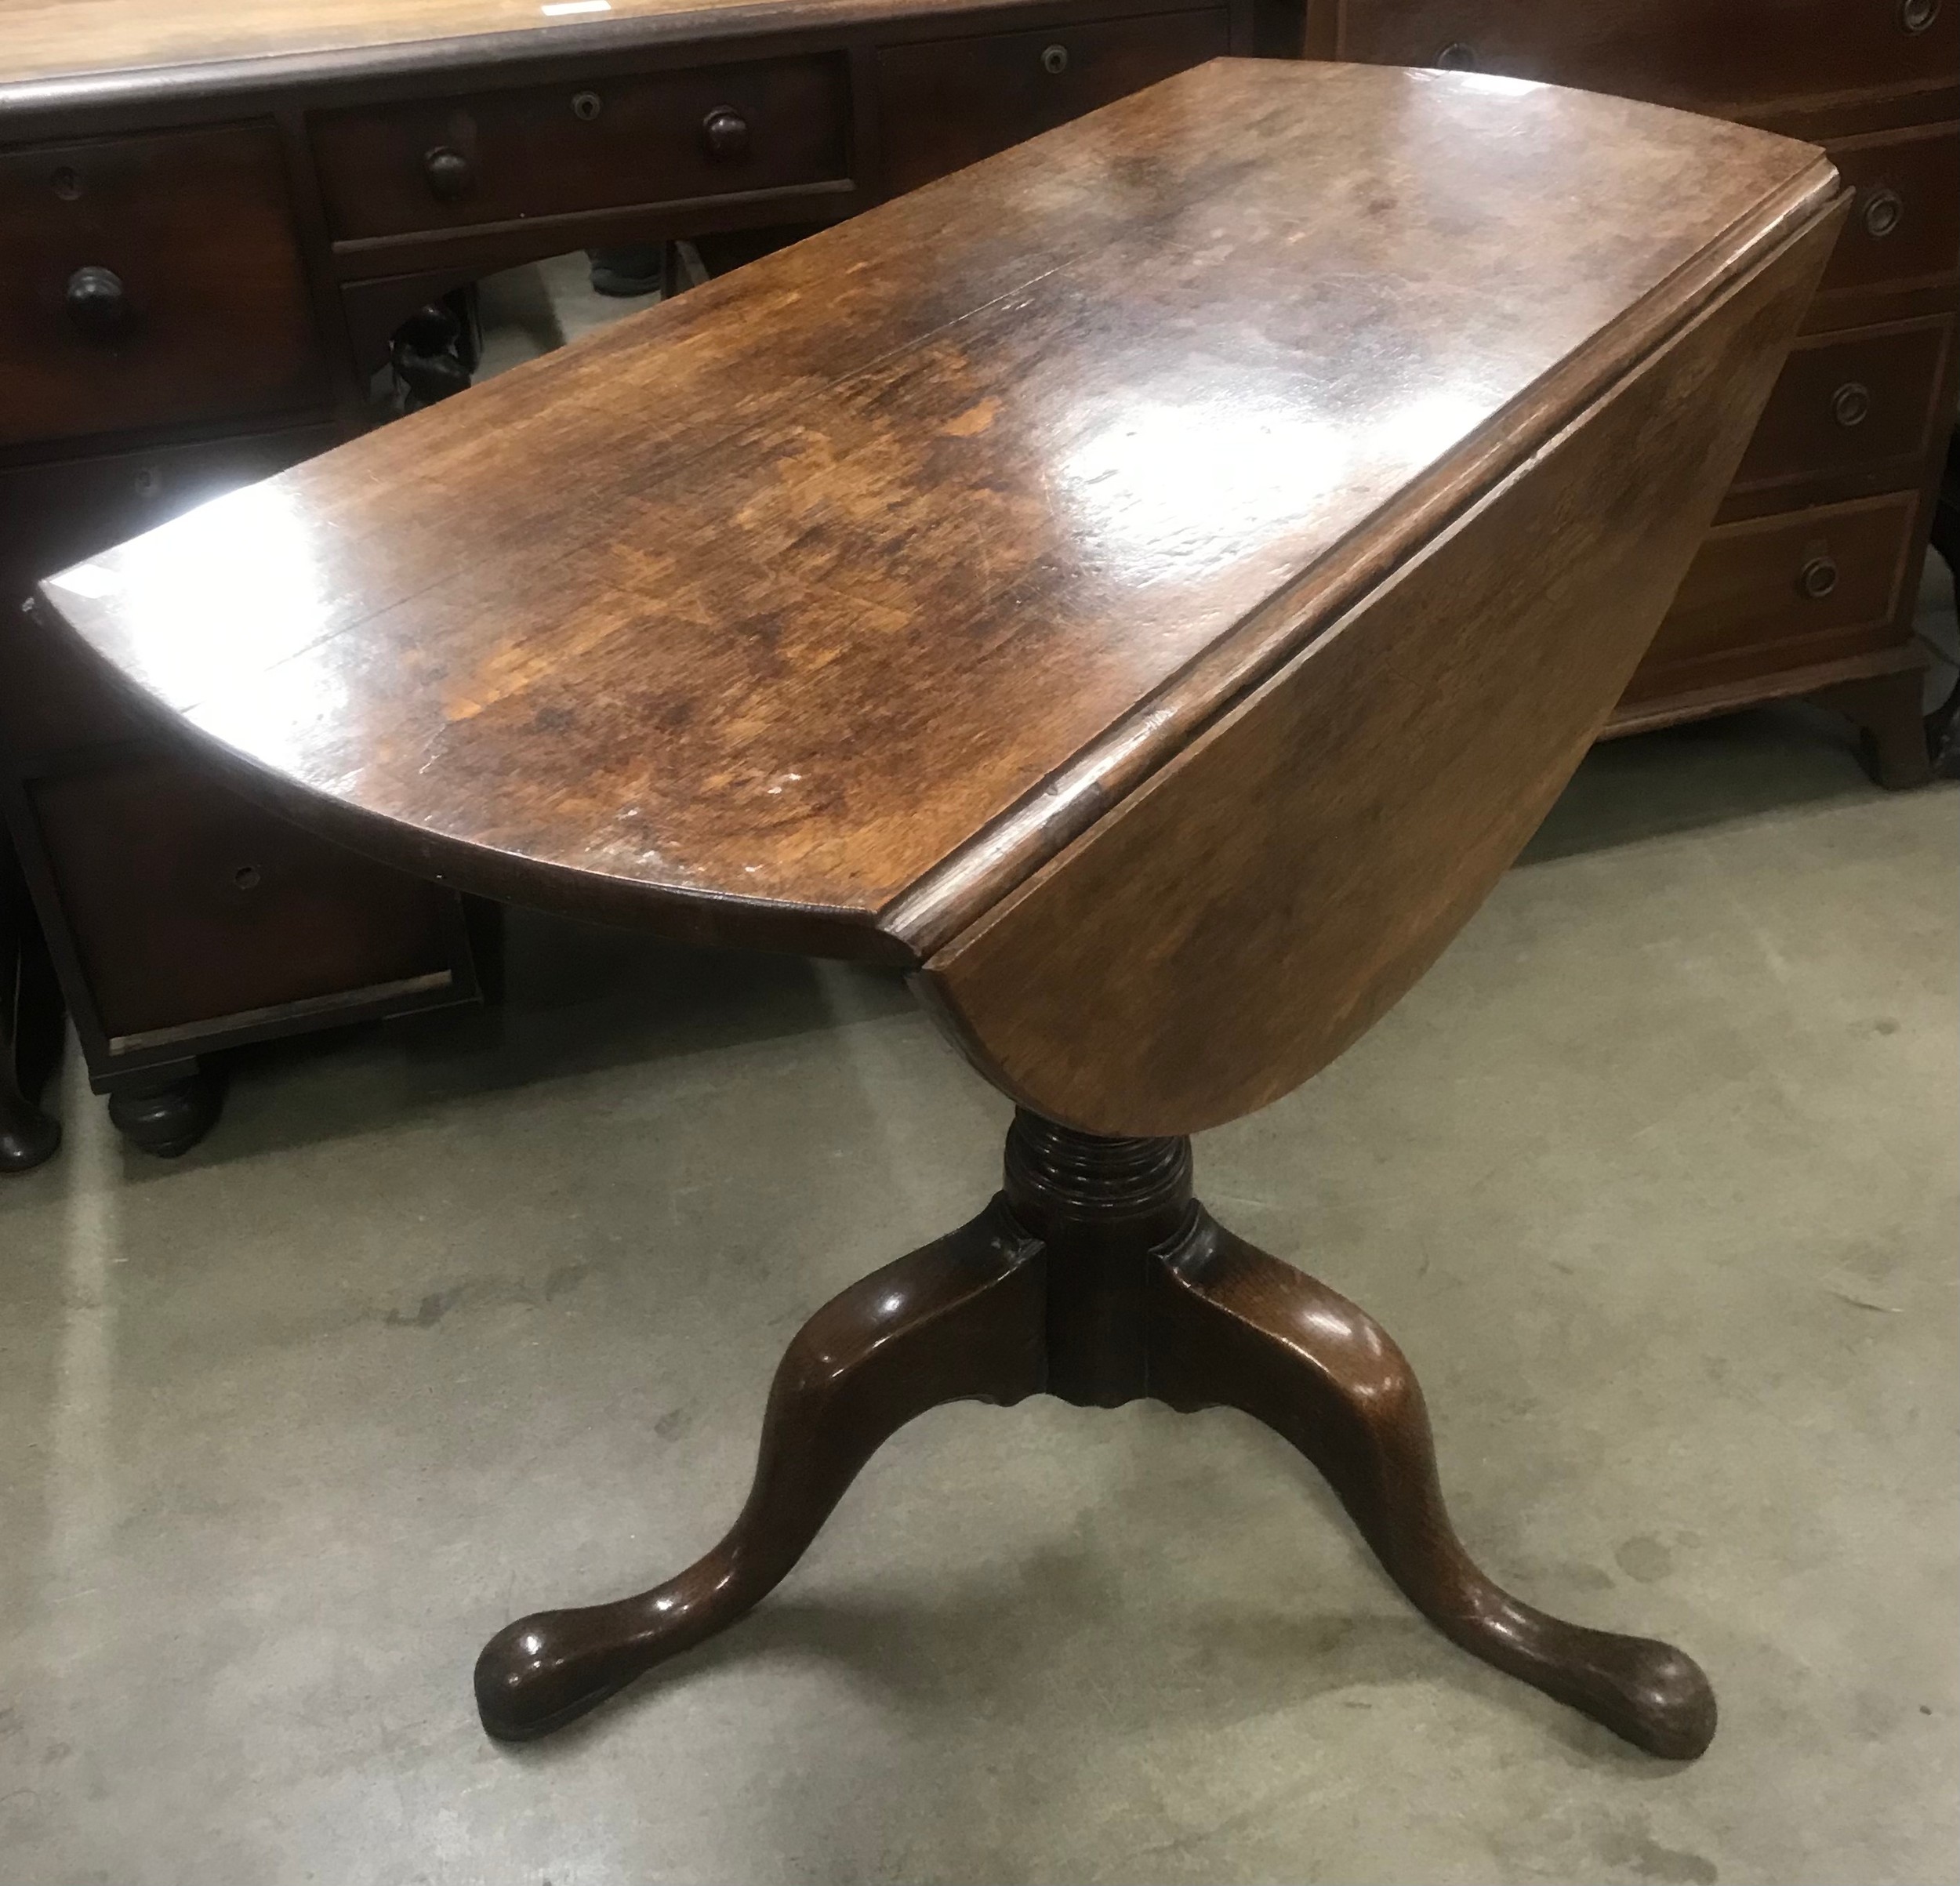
(1148,586)
(216,220)
(218,223)
(1806,584)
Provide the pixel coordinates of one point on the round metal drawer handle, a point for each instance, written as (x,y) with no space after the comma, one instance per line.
(1851,403)
(147,483)
(66,182)
(1884,211)
(1054,59)
(97,302)
(246,877)
(724,131)
(586,105)
(1458,56)
(450,173)
(1818,578)
(1916,16)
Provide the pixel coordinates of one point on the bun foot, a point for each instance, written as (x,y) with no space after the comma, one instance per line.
(167,1122)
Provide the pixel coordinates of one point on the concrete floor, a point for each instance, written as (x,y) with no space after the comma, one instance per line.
(1654,1177)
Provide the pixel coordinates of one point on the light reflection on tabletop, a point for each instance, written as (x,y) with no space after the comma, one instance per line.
(739,561)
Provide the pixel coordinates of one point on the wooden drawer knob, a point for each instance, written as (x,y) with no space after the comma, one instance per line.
(450,174)
(725,133)
(98,303)
(1458,56)
(1818,578)
(1851,403)
(1916,16)
(1884,210)
(1055,60)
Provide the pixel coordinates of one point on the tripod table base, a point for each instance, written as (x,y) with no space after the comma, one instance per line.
(1095,1276)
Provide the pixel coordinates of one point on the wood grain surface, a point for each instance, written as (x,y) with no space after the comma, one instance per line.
(820,607)
(1232,926)
(41,39)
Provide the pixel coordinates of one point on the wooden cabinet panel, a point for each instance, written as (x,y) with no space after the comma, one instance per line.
(1851,403)
(53,515)
(709,131)
(943,104)
(185,902)
(1819,582)
(1905,224)
(145,281)
(1736,55)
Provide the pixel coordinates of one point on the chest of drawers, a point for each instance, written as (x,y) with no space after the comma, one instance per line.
(1806,584)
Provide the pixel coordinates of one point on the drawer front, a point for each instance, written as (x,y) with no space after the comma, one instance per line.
(1706,54)
(1850,403)
(147,280)
(53,515)
(662,137)
(1825,581)
(188,903)
(1904,226)
(949,102)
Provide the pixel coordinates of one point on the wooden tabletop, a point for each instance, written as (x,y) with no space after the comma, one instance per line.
(42,40)
(819,607)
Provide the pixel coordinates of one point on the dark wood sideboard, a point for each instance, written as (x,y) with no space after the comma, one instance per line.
(214,222)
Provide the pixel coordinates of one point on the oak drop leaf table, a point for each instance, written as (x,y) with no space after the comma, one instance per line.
(1148,586)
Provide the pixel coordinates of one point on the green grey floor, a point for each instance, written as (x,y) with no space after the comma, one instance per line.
(1654,1177)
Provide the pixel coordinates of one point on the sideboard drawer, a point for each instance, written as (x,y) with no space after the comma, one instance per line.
(1849,403)
(147,281)
(186,902)
(657,137)
(1710,55)
(1904,226)
(945,104)
(1827,575)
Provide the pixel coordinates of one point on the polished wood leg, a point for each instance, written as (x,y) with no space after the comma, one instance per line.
(959,1320)
(1094,1276)
(1233,1327)
(164,1112)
